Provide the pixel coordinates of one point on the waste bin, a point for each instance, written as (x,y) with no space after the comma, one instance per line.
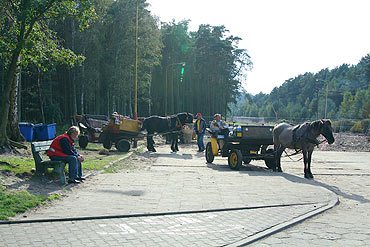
(26,130)
(44,132)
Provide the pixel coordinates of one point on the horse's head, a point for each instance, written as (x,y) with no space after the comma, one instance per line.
(185,117)
(324,127)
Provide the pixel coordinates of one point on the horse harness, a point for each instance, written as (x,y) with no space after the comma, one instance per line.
(177,124)
(303,137)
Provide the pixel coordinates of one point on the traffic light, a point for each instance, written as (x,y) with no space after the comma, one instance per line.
(182,72)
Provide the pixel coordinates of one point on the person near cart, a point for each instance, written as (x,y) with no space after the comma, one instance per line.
(200,127)
(62,149)
(220,127)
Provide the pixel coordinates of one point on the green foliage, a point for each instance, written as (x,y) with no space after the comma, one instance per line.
(342,92)
(343,125)
(12,203)
(360,126)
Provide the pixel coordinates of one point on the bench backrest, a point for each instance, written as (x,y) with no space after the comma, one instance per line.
(37,147)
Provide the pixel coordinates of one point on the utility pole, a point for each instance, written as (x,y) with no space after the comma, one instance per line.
(136,51)
(326,99)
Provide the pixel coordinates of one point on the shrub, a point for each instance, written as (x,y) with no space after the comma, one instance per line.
(343,125)
(360,126)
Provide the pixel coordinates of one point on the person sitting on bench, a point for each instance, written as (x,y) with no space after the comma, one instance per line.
(62,149)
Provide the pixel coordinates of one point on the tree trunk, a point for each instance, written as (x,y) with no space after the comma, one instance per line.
(82,88)
(14,131)
(40,98)
(5,99)
(73,71)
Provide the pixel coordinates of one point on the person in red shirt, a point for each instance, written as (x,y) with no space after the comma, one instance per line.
(62,149)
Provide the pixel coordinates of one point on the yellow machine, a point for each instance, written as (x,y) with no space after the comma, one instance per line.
(243,144)
(121,131)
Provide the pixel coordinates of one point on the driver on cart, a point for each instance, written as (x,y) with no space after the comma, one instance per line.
(220,127)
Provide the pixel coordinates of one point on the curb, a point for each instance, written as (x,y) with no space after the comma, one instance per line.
(82,218)
(277,228)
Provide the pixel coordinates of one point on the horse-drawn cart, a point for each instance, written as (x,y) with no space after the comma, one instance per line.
(121,131)
(245,143)
(90,127)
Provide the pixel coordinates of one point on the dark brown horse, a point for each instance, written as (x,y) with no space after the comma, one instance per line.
(302,137)
(170,125)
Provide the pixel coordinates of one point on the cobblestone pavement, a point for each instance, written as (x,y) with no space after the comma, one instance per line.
(197,204)
(348,224)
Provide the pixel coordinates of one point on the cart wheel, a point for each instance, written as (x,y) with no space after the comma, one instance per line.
(123,145)
(107,143)
(83,141)
(270,161)
(209,153)
(235,159)
(247,160)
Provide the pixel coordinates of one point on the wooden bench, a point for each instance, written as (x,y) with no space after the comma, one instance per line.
(39,148)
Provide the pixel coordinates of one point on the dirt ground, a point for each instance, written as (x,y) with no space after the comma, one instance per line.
(347,142)
(344,142)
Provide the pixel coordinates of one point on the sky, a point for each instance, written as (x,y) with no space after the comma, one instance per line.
(285,38)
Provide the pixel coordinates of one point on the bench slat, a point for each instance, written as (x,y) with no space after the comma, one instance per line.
(41,165)
(41,146)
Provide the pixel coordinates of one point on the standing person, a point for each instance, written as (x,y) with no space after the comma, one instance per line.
(200,127)
(62,149)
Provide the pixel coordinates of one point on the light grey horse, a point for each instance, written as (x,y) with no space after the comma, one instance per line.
(302,137)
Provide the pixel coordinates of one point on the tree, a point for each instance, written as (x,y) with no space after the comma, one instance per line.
(25,28)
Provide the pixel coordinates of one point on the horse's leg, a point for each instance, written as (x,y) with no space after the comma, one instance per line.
(172,143)
(279,159)
(305,162)
(150,143)
(176,139)
(279,149)
(309,156)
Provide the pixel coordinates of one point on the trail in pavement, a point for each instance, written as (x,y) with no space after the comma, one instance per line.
(199,204)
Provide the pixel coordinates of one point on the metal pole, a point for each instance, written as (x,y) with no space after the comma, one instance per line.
(326,100)
(136,51)
(165,105)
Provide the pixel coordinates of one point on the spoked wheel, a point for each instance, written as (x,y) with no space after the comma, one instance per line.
(83,141)
(123,145)
(107,143)
(235,159)
(270,160)
(209,153)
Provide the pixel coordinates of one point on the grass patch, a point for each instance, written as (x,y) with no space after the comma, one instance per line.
(12,203)
(18,165)
(121,165)
(98,162)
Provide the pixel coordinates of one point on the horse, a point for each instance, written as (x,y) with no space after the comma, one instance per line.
(163,125)
(301,137)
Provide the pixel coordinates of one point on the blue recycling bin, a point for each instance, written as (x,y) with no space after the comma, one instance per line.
(44,132)
(27,131)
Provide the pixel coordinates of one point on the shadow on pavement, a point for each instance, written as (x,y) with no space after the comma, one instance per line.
(126,192)
(334,189)
(169,155)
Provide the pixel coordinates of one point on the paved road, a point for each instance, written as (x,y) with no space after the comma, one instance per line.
(348,224)
(166,199)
